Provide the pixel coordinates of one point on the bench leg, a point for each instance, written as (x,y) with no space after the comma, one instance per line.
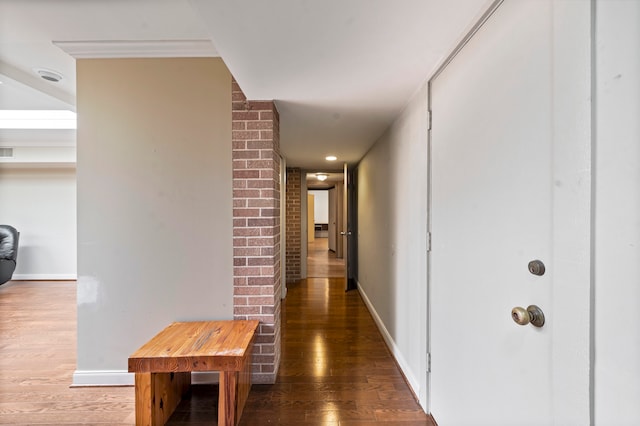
(158,395)
(227,398)
(233,393)
(244,385)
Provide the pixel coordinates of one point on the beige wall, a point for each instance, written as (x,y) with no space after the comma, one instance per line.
(154,204)
(40,202)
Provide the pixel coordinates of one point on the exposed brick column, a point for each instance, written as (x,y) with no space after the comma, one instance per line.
(294,223)
(256,227)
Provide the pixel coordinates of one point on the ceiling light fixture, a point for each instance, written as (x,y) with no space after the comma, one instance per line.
(37,119)
(331,158)
(322,176)
(49,75)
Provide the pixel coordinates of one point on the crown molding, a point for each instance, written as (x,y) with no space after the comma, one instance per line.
(138,49)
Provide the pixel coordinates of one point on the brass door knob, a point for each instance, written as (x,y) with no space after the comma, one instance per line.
(536,267)
(532,314)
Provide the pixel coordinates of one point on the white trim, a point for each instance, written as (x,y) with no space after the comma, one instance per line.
(89,378)
(102,378)
(395,351)
(283,227)
(138,49)
(43,277)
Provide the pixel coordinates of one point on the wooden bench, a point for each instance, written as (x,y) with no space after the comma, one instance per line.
(164,364)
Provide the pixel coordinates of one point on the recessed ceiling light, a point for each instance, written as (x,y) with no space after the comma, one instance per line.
(331,158)
(321,176)
(49,75)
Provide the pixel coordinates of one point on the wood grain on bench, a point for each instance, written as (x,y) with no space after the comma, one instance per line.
(163,366)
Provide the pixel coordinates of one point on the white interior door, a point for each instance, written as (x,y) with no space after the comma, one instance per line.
(505,191)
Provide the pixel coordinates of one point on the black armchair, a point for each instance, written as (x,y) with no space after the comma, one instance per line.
(9,237)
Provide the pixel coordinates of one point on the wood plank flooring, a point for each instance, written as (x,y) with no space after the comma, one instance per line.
(335,369)
(321,262)
(38,358)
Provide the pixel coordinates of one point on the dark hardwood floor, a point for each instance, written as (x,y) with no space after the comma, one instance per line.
(335,368)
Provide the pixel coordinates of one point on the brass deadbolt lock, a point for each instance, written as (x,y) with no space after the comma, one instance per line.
(536,267)
(532,314)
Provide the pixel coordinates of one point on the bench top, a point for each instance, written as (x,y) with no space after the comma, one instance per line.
(196,346)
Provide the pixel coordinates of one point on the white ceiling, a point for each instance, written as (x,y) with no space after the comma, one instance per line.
(339,70)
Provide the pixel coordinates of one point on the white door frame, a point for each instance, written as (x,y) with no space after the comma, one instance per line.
(483,18)
(283,226)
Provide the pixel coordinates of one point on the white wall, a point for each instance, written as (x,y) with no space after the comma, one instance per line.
(617,214)
(40,202)
(321,206)
(392,234)
(155,240)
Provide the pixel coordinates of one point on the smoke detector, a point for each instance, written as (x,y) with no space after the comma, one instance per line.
(49,75)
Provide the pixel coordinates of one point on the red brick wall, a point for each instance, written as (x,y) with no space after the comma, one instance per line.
(294,225)
(256,226)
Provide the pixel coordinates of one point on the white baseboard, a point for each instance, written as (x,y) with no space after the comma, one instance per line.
(395,351)
(44,277)
(89,378)
(102,378)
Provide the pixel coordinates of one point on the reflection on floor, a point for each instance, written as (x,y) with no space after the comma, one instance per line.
(321,262)
(335,369)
